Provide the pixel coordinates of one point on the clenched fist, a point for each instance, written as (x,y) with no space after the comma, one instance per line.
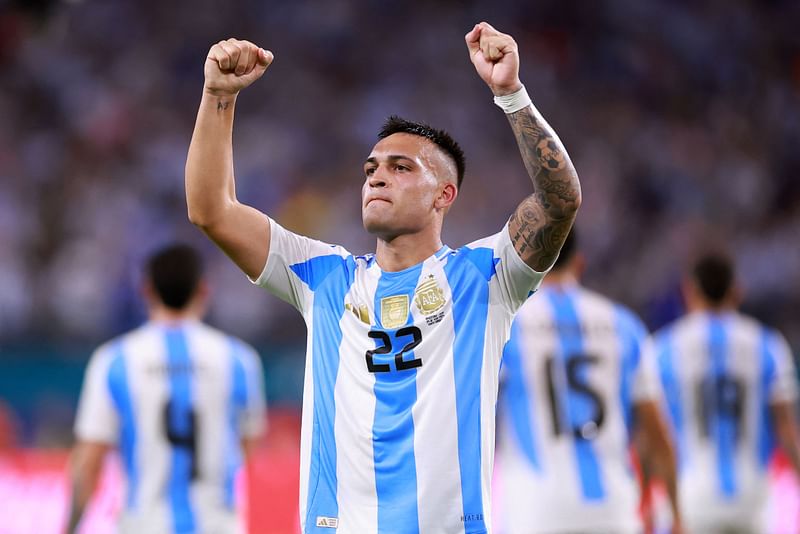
(495,57)
(232,65)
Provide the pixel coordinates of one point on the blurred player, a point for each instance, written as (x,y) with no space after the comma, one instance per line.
(182,402)
(731,388)
(576,390)
(404,345)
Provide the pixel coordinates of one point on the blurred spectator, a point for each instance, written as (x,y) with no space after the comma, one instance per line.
(683,119)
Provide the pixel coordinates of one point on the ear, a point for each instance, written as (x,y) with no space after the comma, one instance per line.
(203,291)
(148,292)
(735,295)
(690,294)
(447,195)
(578,265)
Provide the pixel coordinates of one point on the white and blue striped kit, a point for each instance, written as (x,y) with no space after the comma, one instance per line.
(721,372)
(572,372)
(177,399)
(401,381)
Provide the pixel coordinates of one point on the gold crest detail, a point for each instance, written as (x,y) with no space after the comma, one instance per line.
(360,311)
(429,297)
(394,311)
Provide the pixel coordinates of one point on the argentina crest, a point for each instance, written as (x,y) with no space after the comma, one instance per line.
(429,297)
(394,311)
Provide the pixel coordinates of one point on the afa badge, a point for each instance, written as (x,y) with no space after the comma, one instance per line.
(429,297)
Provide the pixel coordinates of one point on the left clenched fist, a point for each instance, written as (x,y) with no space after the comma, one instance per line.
(495,57)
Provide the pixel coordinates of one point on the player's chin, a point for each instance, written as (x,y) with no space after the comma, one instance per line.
(373,225)
(376,223)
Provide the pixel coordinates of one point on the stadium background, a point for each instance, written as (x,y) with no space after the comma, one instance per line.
(682,118)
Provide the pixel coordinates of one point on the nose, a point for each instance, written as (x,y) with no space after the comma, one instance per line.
(378,178)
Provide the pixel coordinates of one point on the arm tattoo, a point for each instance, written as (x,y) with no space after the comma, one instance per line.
(222,105)
(542,221)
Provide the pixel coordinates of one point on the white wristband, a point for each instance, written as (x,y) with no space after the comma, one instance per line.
(513,102)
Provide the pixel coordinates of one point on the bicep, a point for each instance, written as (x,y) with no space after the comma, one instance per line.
(243,233)
(536,235)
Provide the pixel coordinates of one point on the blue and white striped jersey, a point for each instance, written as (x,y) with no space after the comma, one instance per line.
(401,381)
(572,372)
(177,399)
(721,372)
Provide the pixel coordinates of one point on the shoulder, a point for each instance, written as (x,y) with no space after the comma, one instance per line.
(317,270)
(749,326)
(686,329)
(216,337)
(622,319)
(477,256)
(115,347)
(108,361)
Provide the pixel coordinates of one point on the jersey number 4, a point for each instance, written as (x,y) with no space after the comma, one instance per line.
(577,384)
(412,332)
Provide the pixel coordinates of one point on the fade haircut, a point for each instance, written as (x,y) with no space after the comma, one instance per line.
(568,250)
(175,272)
(440,138)
(714,275)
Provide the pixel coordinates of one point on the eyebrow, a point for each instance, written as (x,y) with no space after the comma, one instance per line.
(392,158)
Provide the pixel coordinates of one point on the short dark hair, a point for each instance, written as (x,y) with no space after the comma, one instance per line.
(175,272)
(568,250)
(440,138)
(714,275)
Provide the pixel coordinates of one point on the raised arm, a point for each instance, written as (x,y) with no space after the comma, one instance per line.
(541,222)
(239,230)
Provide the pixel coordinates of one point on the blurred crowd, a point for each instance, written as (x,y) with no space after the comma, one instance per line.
(682,117)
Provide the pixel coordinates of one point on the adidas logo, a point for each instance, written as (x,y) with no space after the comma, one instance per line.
(327,522)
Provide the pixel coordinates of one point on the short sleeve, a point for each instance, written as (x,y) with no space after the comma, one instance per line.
(253,414)
(783,384)
(290,253)
(515,279)
(97,419)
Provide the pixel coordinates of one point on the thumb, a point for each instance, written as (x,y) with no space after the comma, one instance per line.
(265,57)
(488,28)
(473,39)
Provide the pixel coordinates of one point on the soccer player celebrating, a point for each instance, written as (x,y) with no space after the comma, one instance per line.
(404,344)
(731,388)
(577,391)
(182,401)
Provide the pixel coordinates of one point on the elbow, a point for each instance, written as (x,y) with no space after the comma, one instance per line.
(197,218)
(204,215)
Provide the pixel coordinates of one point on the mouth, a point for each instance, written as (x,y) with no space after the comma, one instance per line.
(376,199)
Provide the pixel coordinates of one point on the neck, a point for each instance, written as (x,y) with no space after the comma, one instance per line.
(707,307)
(406,250)
(560,278)
(162,314)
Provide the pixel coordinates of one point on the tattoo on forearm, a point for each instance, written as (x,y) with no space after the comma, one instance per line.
(222,105)
(542,221)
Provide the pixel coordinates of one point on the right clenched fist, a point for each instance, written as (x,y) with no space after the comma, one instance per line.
(232,65)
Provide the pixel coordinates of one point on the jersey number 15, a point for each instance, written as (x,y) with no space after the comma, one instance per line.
(577,384)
